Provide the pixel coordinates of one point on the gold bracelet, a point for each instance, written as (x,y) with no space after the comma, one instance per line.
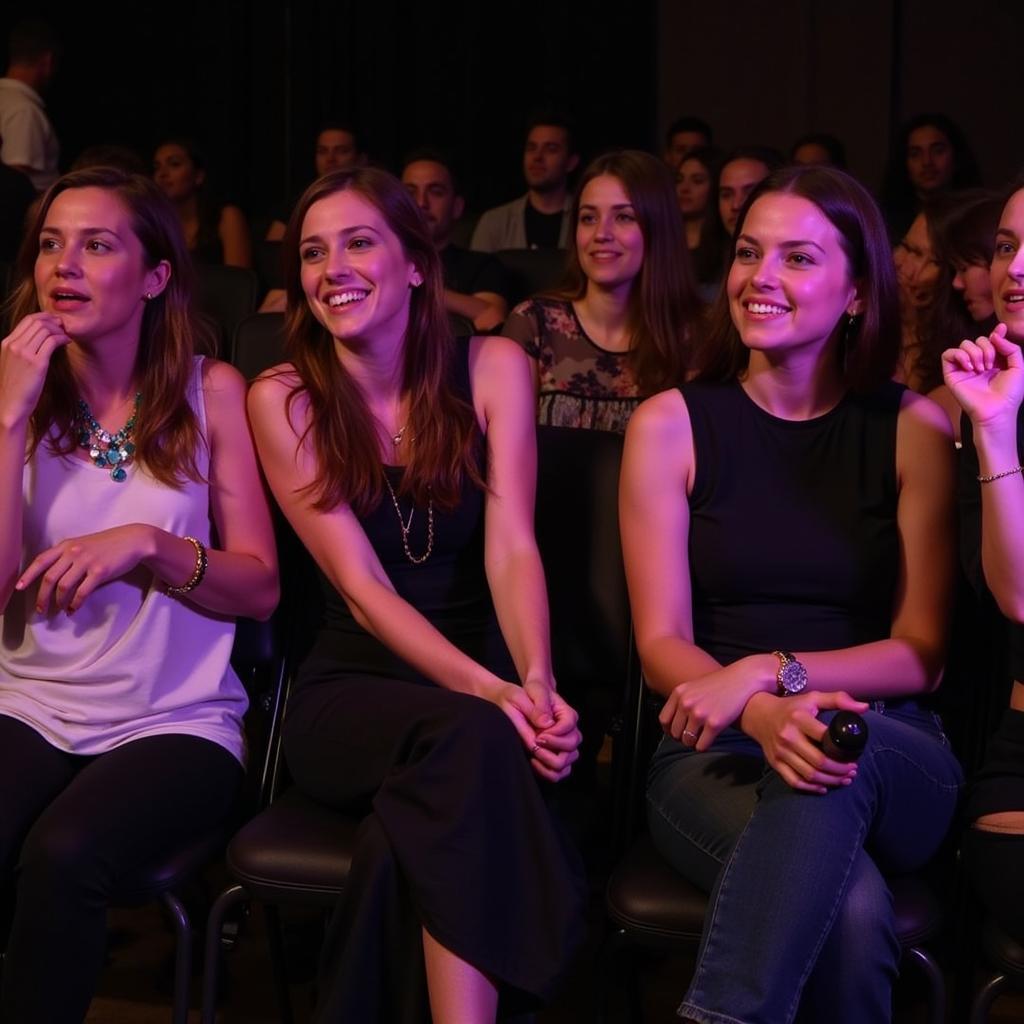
(197,574)
(999,476)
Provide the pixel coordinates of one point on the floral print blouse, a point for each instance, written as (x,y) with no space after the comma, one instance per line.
(581,384)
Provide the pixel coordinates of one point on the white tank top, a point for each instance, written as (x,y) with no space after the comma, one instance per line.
(132,661)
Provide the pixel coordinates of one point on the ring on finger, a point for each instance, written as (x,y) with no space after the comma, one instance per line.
(689,733)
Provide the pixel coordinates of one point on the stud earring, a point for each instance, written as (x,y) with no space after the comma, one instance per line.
(149,296)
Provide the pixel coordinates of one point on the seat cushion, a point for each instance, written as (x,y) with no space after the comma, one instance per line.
(653,904)
(296,851)
(182,864)
(1003,952)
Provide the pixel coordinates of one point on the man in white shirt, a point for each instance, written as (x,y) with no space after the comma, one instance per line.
(28,142)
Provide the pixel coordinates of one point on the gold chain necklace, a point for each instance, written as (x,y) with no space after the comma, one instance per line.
(405,527)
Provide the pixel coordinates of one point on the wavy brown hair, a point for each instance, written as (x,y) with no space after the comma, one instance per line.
(344,435)
(870,343)
(663,304)
(167,435)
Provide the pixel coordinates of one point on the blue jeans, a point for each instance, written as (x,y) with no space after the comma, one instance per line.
(800,915)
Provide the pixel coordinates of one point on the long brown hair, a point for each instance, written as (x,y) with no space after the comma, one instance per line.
(444,425)
(167,436)
(663,305)
(871,341)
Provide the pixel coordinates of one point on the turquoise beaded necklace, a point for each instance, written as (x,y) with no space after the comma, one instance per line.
(108,451)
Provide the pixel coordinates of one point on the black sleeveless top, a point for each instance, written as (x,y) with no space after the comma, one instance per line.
(793,541)
(450,588)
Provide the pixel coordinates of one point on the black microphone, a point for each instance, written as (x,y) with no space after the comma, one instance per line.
(846,737)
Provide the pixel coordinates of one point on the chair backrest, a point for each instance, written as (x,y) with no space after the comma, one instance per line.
(227,295)
(531,270)
(258,344)
(269,269)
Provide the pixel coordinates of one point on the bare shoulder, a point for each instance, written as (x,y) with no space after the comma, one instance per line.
(661,418)
(494,352)
(222,378)
(921,416)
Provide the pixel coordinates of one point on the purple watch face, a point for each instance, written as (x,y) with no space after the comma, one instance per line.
(793,677)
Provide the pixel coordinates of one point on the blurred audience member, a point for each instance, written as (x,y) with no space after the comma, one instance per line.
(474,281)
(684,135)
(929,156)
(112,154)
(741,172)
(705,236)
(539,219)
(819,148)
(338,148)
(28,142)
(216,233)
(963,227)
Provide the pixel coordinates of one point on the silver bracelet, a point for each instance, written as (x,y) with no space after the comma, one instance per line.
(999,476)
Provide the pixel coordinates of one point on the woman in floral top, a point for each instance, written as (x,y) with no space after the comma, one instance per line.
(623,323)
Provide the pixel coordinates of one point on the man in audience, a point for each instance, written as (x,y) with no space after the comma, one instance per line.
(474,281)
(684,135)
(337,149)
(29,142)
(742,170)
(539,219)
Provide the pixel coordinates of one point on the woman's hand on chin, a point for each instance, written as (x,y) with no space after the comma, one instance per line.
(71,570)
(24,359)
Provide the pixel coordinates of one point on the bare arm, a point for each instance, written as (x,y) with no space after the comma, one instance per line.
(484,309)
(24,359)
(702,697)
(234,238)
(987,378)
(241,575)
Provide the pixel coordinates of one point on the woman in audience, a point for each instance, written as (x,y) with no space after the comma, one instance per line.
(817,519)
(918,273)
(963,226)
(215,232)
(705,237)
(987,378)
(623,322)
(389,446)
(122,456)
(929,156)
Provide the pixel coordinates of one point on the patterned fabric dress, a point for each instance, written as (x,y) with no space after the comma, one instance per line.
(581,384)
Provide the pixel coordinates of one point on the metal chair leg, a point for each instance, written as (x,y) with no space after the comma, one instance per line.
(211,965)
(936,983)
(182,956)
(989,993)
(275,941)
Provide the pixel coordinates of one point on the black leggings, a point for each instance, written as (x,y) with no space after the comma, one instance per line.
(71,827)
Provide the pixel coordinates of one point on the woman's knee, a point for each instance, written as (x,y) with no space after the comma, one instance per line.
(59,855)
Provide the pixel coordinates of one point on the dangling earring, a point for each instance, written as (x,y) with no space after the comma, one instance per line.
(850,327)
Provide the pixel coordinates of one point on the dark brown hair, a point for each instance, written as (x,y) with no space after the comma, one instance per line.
(872,340)
(663,305)
(167,436)
(447,436)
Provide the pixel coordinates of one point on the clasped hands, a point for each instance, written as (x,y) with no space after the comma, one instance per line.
(546,724)
(787,728)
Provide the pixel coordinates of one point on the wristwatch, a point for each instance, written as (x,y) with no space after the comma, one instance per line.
(792,676)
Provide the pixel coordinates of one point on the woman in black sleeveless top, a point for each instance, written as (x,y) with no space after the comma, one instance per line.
(807,570)
(406,465)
